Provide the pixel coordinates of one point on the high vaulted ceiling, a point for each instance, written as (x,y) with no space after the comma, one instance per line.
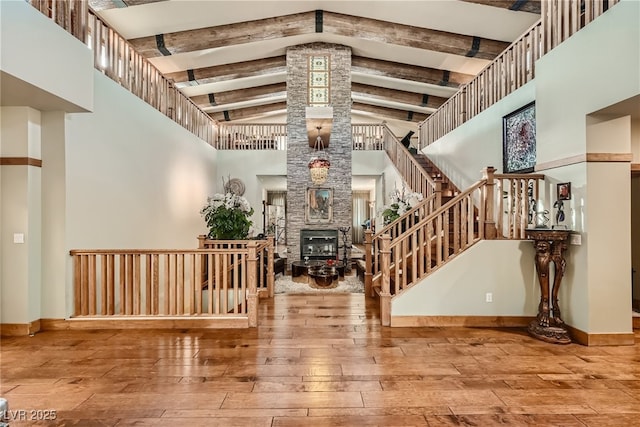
(408,56)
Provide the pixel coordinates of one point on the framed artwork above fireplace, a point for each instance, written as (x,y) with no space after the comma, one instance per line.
(319,206)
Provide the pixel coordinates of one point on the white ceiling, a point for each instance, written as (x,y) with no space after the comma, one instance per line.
(454,16)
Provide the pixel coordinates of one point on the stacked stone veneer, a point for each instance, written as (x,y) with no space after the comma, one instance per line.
(299,153)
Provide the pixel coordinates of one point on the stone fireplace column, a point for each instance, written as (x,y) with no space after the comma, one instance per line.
(299,153)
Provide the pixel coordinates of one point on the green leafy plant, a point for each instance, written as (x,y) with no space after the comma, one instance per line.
(227,216)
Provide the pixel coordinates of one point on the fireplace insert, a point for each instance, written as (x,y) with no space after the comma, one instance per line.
(318,244)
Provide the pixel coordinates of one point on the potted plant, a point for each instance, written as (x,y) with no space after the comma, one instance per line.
(401,202)
(227,216)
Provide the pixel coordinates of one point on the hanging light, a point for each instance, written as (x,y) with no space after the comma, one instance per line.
(319,163)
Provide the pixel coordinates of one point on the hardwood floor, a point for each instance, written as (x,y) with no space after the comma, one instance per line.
(318,361)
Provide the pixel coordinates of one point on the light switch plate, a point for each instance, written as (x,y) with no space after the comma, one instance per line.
(18,237)
(575,239)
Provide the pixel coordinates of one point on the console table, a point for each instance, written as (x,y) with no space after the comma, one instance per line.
(550,245)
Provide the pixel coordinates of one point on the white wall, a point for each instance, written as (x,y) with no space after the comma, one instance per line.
(501,267)
(54,248)
(134,178)
(569,85)
(20,213)
(248,166)
(465,152)
(40,54)
(571,80)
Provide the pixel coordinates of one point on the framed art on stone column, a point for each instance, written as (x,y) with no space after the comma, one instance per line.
(319,206)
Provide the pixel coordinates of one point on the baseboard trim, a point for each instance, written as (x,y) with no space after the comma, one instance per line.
(636,322)
(600,340)
(459,321)
(20,329)
(130,323)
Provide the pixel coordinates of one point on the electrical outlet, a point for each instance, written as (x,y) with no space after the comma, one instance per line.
(575,239)
(488,297)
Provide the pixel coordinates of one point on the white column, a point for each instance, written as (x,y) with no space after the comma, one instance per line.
(20,215)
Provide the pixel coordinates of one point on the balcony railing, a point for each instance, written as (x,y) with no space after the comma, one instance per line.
(115,57)
(514,67)
(257,136)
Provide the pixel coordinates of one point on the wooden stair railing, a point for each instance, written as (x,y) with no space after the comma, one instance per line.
(514,67)
(496,207)
(416,177)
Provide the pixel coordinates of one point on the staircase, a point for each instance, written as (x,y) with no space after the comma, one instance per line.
(423,240)
(448,188)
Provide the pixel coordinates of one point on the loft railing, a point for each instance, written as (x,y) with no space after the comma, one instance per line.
(115,57)
(500,206)
(368,136)
(270,136)
(514,67)
(254,136)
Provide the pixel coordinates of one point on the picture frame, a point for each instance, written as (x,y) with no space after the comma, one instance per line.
(519,140)
(563,191)
(319,205)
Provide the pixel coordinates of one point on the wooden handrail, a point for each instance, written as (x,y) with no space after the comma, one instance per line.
(223,281)
(514,67)
(119,61)
(477,213)
(270,136)
(417,179)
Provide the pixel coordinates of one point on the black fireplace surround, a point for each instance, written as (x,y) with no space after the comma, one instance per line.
(318,244)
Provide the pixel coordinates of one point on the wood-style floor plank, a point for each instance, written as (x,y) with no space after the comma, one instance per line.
(318,360)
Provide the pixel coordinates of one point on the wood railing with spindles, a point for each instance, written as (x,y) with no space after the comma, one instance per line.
(253,136)
(368,136)
(514,67)
(222,282)
(496,207)
(256,136)
(115,57)
(416,178)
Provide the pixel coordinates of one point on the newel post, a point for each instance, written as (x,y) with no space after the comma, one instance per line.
(368,262)
(437,190)
(252,290)
(385,295)
(490,232)
(271,278)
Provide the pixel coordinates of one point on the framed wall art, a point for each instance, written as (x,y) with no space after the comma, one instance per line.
(564,191)
(519,140)
(319,206)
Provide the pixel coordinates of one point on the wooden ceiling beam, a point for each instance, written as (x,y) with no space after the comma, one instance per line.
(390,113)
(384,94)
(249,112)
(273,90)
(240,95)
(225,35)
(411,36)
(379,67)
(531,6)
(236,70)
(317,22)
(245,113)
